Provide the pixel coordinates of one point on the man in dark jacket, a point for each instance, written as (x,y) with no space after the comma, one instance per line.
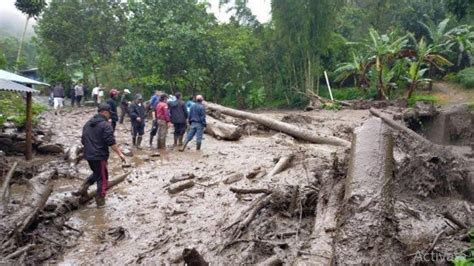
(137,115)
(197,120)
(124,102)
(112,102)
(179,114)
(97,137)
(58,96)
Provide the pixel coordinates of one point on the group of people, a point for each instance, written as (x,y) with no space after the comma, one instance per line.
(98,133)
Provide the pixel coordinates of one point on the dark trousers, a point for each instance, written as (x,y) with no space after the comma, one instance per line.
(138,129)
(114,124)
(154,128)
(73,99)
(78,100)
(124,111)
(95,97)
(179,129)
(99,175)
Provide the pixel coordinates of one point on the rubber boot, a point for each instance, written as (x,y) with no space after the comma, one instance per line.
(198,146)
(82,192)
(134,140)
(100,202)
(184,146)
(139,142)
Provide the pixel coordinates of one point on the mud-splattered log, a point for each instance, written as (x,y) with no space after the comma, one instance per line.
(292,130)
(69,203)
(366,228)
(40,187)
(221,130)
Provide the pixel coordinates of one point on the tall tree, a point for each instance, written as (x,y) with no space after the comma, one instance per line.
(32,8)
(305,29)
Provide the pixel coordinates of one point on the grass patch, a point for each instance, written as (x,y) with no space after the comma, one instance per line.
(427,98)
(348,93)
(470,106)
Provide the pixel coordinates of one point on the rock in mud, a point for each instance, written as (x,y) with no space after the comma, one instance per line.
(19,147)
(193,258)
(180,186)
(5,144)
(187,176)
(50,148)
(233,178)
(126,149)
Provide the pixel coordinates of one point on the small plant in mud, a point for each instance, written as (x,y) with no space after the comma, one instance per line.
(468,258)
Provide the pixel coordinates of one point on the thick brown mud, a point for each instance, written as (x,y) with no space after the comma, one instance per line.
(144,223)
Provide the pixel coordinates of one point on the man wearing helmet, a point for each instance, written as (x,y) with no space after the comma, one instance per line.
(112,102)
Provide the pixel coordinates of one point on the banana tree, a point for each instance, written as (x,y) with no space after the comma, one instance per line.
(439,35)
(427,54)
(462,39)
(357,69)
(414,76)
(385,49)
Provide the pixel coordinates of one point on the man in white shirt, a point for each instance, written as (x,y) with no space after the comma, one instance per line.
(95,93)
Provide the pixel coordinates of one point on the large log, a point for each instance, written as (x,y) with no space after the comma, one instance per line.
(40,187)
(292,130)
(69,203)
(221,130)
(5,192)
(366,229)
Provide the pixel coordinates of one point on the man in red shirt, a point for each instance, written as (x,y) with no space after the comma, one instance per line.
(163,119)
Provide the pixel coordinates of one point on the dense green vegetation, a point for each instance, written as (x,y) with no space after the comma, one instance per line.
(177,46)
(13,108)
(466,77)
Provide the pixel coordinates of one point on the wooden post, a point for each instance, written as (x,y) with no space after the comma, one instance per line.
(29,125)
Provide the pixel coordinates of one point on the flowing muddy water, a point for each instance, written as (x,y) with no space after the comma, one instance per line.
(157,226)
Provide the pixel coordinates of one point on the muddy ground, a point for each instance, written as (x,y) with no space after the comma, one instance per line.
(143,223)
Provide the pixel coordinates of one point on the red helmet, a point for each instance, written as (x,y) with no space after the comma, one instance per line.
(113,92)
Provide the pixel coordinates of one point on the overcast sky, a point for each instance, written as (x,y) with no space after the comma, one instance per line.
(12,21)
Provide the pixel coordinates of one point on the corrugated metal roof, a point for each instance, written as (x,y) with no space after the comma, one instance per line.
(7,85)
(20,79)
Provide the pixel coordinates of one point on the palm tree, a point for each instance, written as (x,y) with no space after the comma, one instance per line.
(32,8)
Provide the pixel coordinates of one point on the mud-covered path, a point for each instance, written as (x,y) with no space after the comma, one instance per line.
(157,225)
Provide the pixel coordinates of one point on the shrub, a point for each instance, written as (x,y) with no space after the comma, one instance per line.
(428,98)
(348,93)
(13,108)
(466,77)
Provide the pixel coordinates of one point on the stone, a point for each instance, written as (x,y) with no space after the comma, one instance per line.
(180,186)
(19,147)
(50,148)
(5,144)
(126,149)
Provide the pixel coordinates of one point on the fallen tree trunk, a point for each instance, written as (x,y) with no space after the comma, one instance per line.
(40,187)
(392,123)
(221,130)
(292,130)
(6,183)
(70,203)
(366,228)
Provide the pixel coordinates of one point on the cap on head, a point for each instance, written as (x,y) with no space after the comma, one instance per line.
(199,98)
(113,92)
(138,96)
(104,107)
(127,91)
